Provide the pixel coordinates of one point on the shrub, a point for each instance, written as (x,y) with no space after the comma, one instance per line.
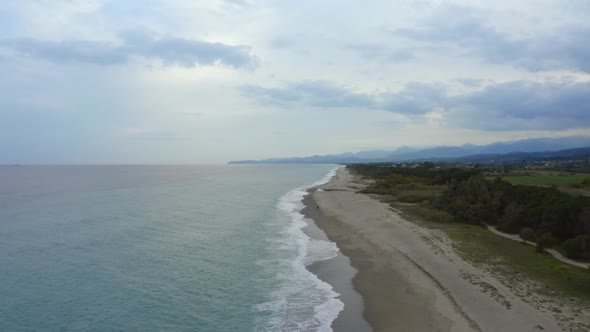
(416,197)
(429,214)
(527,234)
(545,241)
(578,247)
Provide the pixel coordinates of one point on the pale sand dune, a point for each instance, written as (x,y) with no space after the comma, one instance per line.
(409,277)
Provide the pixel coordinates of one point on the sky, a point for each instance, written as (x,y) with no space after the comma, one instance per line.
(183,81)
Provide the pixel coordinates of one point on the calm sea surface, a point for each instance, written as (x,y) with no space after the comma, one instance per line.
(159,248)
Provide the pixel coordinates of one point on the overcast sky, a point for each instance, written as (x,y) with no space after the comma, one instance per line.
(184,81)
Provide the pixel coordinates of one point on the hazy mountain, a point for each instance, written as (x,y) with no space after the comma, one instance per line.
(577,153)
(441,152)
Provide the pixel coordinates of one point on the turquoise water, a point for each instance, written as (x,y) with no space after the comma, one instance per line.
(159,248)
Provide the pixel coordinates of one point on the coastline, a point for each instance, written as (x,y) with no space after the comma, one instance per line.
(339,273)
(409,278)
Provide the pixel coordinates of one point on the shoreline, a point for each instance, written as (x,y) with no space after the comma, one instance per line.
(339,273)
(409,278)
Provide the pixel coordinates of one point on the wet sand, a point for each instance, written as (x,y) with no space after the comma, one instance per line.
(410,279)
(339,273)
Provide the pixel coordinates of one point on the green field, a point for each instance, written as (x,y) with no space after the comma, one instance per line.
(547,179)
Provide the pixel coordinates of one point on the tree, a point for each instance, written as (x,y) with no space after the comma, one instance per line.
(578,247)
(545,241)
(428,165)
(527,234)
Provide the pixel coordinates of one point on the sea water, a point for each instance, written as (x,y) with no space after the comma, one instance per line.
(160,248)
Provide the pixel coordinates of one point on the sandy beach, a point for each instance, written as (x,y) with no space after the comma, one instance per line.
(409,277)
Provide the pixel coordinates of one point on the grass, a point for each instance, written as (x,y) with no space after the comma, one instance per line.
(416,196)
(547,180)
(479,245)
(407,193)
(544,178)
(510,258)
(426,213)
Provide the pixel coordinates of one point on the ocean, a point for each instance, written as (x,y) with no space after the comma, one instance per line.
(161,248)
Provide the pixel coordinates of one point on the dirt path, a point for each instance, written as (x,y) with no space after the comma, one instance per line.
(552,252)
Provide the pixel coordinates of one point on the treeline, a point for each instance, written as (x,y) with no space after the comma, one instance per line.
(426,172)
(541,214)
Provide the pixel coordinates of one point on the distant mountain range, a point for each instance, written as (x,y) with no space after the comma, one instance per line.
(494,151)
(568,154)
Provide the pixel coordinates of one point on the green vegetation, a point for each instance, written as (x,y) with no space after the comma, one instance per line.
(425,212)
(513,259)
(547,180)
(503,256)
(459,202)
(584,184)
(470,198)
(545,241)
(527,234)
(578,247)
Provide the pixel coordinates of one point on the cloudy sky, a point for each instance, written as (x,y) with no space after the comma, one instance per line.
(183,81)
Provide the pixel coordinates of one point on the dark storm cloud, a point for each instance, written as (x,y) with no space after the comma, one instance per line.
(469,30)
(415,99)
(524,105)
(511,105)
(169,50)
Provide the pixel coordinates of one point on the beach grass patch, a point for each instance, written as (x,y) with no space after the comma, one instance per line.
(507,257)
(547,180)
(482,247)
(425,212)
(417,196)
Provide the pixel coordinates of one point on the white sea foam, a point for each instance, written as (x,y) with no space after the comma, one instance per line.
(302,301)
(320,250)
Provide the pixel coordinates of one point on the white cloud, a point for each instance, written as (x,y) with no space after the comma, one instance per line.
(329,76)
